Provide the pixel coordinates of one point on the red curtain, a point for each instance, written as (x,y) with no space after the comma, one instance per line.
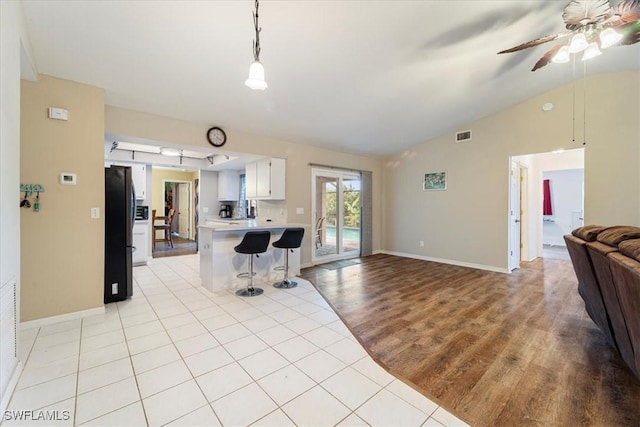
(546,198)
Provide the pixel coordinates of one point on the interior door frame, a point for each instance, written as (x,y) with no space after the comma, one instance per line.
(514,214)
(191,201)
(339,175)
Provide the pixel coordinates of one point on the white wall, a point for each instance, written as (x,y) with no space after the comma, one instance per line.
(468,223)
(566,201)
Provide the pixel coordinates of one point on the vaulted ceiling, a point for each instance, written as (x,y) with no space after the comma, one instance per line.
(370,77)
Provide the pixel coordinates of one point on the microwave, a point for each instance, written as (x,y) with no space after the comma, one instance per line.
(142,212)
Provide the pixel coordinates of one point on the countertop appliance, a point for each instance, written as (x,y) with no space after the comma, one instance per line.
(142,212)
(119,214)
(226,211)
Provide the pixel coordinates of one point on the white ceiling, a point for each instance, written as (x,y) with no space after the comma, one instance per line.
(370,77)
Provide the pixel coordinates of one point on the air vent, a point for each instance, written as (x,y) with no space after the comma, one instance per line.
(463,136)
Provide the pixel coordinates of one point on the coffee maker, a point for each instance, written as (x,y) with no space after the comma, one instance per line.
(225,211)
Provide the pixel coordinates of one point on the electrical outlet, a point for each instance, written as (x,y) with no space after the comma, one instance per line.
(114,288)
(95,213)
(205,209)
(422,243)
(300,211)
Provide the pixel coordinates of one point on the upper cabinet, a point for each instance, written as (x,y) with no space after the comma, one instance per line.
(265,179)
(139,176)
(228,186)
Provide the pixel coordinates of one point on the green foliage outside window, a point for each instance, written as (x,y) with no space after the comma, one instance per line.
(351,212)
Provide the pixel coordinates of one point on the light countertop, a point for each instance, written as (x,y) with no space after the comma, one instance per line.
(247,224)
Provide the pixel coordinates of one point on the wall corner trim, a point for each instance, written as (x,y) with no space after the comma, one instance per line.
(449,261)
(61,318)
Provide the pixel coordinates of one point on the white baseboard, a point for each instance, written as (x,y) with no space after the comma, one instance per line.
(449,261)
(11,386)
(306,265)
(377,252)
(61,318)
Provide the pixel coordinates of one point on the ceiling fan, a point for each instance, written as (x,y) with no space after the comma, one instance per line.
(591,25)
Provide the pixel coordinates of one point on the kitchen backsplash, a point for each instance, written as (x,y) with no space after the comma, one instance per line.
(275,210)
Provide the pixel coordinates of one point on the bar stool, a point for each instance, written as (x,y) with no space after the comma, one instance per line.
(291,239)
(253,243)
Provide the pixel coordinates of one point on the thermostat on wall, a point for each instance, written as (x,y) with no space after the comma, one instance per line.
(68,178)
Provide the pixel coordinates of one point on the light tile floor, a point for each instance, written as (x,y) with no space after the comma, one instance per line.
(176,354)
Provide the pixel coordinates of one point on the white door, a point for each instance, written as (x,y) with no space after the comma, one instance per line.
(184,210)
(514,217)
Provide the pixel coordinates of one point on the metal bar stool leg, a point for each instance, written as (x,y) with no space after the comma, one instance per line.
(250,291)
(286,283)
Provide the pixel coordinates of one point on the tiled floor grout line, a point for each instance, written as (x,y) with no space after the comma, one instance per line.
(193,377)
(75,398)
(135,377)
(176,291)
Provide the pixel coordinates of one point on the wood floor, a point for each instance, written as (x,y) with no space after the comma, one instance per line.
(180,247)
(494,349)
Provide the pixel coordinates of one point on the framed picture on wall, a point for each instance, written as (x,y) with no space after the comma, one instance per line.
(435,181)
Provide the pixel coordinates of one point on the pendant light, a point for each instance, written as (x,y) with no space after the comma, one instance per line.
(256,71)
(562,56)
(609,37)
(591,51)
(578,43)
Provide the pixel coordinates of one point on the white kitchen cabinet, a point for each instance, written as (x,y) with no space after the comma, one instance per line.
(228,186)
(265,179)
(140,242)
(139,177)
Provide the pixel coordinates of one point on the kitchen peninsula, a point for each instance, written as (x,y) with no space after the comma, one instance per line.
(220,264)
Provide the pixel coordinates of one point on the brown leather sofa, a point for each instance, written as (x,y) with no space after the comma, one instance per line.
(611,299)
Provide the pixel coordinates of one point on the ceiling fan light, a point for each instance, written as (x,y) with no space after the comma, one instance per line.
(609,37)
(592,51)
(166,151)
(256,77)
(578,43)
(562,56)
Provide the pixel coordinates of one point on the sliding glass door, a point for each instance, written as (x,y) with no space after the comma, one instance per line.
(337,206)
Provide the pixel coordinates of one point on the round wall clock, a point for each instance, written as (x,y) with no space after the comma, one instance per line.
(216,136)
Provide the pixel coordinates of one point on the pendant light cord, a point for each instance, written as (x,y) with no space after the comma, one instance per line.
(256,42)
(573,118)
(584,98)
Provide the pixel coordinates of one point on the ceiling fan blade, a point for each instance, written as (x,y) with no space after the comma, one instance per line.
(580,12)
(630,33)
(627,10)
(535,42)
(546,58)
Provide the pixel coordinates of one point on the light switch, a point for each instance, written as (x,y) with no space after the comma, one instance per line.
(95,213)
(300,211)
(205,209)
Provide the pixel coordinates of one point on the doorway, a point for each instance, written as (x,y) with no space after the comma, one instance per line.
(179,199)
(337,211)
(551,199)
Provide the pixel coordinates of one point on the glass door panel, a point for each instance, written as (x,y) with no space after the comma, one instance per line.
(351,203)
(336,215)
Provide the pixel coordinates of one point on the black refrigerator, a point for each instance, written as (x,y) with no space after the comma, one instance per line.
(119,214)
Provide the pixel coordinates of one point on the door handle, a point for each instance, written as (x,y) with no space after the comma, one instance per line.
(517,220)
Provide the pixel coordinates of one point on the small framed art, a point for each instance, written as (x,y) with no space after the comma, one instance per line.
(435,181)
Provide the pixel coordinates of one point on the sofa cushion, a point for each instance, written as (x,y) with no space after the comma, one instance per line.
(612,236)
(588,232)
(631,248)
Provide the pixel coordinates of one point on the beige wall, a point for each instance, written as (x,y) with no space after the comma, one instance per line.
(158,176)
(121,123)
(62,249)
(468,223)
